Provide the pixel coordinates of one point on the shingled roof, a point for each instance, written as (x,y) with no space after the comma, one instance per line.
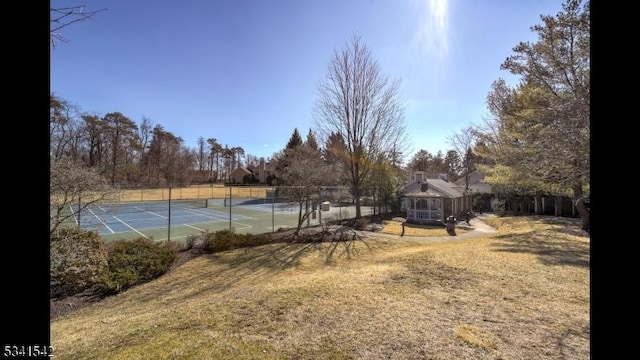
(433,188)
(476,183)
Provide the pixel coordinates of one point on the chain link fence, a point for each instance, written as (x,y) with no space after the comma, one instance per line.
(175,213)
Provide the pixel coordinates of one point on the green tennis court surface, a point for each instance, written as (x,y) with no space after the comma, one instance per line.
(155,220)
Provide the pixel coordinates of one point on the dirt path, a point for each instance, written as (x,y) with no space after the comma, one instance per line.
(478,229)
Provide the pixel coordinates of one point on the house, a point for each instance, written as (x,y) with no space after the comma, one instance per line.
(237,175)
(262,171)
(481,191)
(476,183)
(258,173)
(484,200)
(431,201)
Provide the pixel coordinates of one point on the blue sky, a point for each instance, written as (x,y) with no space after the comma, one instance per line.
(245,71)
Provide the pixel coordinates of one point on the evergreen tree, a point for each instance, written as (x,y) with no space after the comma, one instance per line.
(540,130)
(295,140)
(311,142)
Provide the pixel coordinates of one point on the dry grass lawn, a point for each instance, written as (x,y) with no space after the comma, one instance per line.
(395,228)
(521,293)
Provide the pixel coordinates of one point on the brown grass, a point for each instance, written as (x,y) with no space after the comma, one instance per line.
(522,293)
(395,228)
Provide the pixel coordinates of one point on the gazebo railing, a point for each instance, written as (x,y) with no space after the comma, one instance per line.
(424,214)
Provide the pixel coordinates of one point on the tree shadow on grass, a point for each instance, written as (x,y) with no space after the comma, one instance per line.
(267,261)
(222,271)
(566,341)
(569,226)
(348,238)
(227,270)
(551,249)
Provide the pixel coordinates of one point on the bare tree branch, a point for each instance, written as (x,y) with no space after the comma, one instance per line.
(60,18)
(356,101)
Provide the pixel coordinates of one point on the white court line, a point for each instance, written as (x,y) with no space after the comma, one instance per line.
(207,214)
(127,225)
(151,212)
(244,226)
(73,213)
(193,227)
(103,223)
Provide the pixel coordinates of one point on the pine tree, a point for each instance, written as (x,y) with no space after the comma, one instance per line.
(295,140)
(311,142)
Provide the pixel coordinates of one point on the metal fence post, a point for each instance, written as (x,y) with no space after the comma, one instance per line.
(169,223)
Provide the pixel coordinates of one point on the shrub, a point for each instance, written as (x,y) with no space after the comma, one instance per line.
(361,223)
(133,262)
(257,240)
(174,246)
(499,206)
(77,258)
(481,201)
(191,241)
(222,240)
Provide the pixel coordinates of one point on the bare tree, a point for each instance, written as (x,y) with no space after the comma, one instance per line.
(170,161)
(60,18)
(358,102)
(121,132)
(238,154)
(73,188)
(463,142)
(64,128)
(202,155)
(303,177)
(214,158)
(145,130)
(94,141)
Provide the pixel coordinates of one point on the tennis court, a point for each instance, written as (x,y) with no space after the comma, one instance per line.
(159,221)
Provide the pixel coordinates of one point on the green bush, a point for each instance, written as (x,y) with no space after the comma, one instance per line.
(481,202)
(133,262)
(77,258)
(256,240)
(223,240)
(174,246)
(218,241)
(499,206)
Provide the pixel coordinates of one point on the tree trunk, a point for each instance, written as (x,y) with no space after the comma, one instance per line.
(585,214)
(300,219)
(358,213)
(537,205)
(558,206)
(357,191)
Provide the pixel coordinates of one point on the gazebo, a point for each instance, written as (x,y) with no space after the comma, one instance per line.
(431,201)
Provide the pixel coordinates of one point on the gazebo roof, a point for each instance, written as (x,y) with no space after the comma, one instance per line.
(433,188)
